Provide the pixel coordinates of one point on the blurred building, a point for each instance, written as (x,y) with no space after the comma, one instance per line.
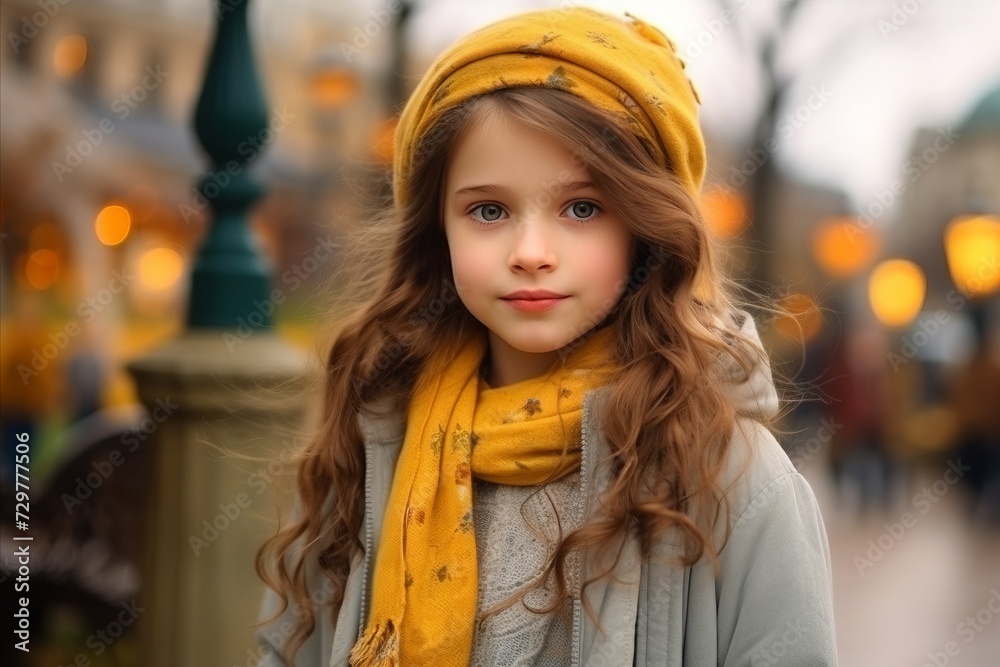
(949,171)
(99,224)
(97,98)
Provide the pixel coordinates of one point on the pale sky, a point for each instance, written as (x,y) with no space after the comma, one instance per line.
(929,72)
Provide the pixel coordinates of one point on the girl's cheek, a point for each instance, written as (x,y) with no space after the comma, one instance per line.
(470,269)
(475,257)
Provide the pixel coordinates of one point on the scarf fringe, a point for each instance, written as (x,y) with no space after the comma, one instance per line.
(378,647)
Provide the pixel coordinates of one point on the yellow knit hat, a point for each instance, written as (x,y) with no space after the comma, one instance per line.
(626,67)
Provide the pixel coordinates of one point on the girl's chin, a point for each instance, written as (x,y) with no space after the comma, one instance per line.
(534,343)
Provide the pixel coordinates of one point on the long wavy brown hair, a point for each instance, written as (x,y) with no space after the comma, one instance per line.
(672,323)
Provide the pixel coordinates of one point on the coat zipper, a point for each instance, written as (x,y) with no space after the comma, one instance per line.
(584,477)
(369,535)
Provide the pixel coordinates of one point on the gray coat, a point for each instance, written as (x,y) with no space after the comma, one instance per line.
(771,603)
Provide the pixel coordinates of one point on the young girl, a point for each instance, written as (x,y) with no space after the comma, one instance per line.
(545,436)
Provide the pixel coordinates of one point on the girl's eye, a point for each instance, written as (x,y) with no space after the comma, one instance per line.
(488,212)
(583,210)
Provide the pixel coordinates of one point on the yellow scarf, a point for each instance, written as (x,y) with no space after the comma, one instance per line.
(425,587)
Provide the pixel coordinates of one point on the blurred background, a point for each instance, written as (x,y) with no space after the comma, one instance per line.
(163,165)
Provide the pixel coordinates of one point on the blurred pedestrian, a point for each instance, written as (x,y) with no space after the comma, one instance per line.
(975,399)
(861,459)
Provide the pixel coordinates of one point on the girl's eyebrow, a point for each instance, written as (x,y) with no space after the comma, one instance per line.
(492,188)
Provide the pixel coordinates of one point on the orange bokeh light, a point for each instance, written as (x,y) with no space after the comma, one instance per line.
(384,141)
(725,212)
(69,55)
(160,268)
(843,248)
(803,321)
(112,224)
(972,244)
(42,268)
(334,88)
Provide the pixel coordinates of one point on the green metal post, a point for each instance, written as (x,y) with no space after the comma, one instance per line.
(231,118)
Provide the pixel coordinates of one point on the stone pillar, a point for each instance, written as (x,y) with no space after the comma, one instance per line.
(208,512)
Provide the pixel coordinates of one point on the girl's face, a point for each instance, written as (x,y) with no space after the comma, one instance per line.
(521,214)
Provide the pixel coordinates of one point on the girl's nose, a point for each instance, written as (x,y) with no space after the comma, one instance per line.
(532,248)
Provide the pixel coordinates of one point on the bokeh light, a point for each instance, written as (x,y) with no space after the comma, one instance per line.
(334,87)
(42,268)
(160,269)
(896,291)
(69,55)
(843,248)
(383,142)
(112,224)
(972,245)
(804,320)
(725,212)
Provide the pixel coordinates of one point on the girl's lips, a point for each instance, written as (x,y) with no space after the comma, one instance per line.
(534,305)
(535,294)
